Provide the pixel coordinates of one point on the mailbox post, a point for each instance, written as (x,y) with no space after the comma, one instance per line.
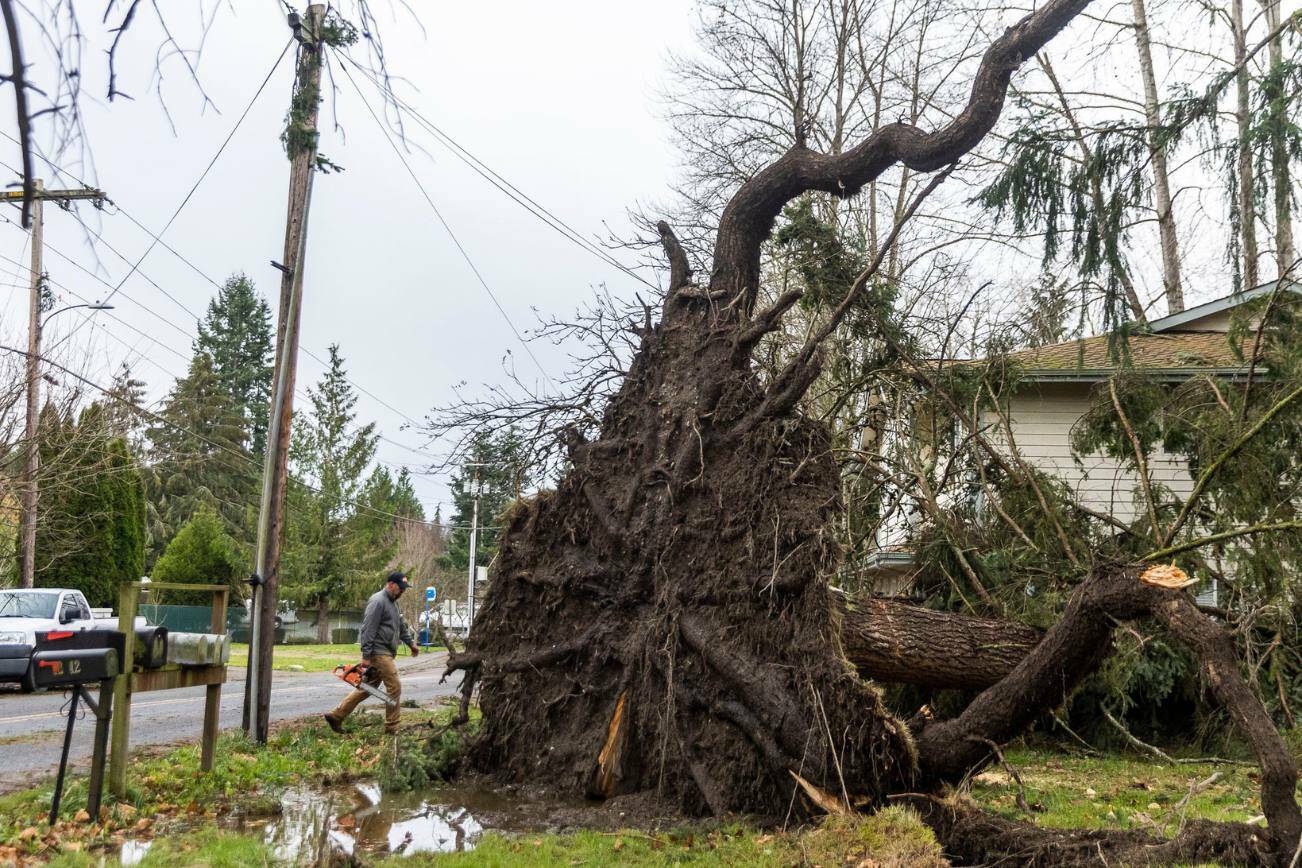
(166,677)
(63,658)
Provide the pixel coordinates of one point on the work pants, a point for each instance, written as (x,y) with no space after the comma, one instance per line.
(387,669)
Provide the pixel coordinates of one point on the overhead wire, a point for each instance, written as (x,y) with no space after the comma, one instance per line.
(161,420)
(195,186)
(447,228)
(182,356)
(486,172)
(118,209)
(190,335)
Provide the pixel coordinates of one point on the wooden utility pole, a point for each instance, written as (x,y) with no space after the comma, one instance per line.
(35,309)
(301,142)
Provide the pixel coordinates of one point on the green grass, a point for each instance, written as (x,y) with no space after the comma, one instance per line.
(1066,790)
(169,788)
(306,658)
(892,838)
(1117,791)
(209,848)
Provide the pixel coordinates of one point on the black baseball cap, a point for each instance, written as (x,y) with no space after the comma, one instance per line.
(399,578)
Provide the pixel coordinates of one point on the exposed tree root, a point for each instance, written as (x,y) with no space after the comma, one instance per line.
(661,621)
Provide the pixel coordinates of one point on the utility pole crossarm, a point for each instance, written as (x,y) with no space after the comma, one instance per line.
(55,195)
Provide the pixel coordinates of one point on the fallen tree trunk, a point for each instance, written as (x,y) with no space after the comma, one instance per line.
(660,621)
(950,750)
(897,642)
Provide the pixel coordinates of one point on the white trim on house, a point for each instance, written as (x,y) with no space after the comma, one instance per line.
(1191,315)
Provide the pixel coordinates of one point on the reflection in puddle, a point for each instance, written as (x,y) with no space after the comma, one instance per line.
(133,852)
(360,819)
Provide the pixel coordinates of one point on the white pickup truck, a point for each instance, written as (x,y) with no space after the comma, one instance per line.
(24,612)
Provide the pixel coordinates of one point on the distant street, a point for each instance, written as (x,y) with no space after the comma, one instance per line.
(31,726)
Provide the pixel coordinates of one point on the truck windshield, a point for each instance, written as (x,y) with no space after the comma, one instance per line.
(27,604)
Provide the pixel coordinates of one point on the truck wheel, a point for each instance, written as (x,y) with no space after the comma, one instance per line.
(28,683)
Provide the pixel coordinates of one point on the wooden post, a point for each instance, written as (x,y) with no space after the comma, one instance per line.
(36,308)
(128,602)
(301,136)
(212,704)
(32,454)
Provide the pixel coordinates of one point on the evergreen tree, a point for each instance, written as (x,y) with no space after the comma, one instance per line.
(498,461)
(202,552)
(91,530)
(121,408)
(236,334)
(333,457)
(198,458)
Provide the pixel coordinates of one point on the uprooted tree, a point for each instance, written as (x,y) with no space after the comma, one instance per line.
(662,620)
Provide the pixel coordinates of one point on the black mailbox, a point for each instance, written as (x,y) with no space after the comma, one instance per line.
(81,640)
(74,666)
(151,647)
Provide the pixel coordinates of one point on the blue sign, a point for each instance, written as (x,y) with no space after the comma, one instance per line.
(429,595)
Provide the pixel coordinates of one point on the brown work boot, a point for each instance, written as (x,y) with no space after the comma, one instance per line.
(335,723)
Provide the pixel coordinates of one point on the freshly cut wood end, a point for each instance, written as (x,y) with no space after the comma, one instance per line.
(1166,576)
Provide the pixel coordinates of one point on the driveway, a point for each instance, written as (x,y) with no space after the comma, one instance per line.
(32,725)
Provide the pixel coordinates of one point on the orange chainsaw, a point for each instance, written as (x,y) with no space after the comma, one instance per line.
(363,677)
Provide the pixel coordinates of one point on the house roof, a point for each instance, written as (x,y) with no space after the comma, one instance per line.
(1177,354)
(1191,315)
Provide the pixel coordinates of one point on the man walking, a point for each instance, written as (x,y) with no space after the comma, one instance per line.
(382,630)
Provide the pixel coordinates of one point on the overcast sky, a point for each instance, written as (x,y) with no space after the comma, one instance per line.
(561,100)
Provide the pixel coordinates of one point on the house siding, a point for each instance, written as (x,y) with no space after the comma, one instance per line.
(1042,417)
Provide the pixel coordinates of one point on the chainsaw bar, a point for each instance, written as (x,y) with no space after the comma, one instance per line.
(358,676)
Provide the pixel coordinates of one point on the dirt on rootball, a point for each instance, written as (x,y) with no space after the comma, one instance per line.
(658,622)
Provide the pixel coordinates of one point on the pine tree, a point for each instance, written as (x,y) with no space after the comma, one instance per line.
(121,408)
(202,552)
(498,460)
(236,334)
(333,457)
(198,458)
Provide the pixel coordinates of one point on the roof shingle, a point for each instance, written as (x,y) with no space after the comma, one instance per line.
(1168,351)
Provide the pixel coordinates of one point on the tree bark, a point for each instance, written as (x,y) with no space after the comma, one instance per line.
(951,749)
(1157,155)
(661,620)
(322,620)
(896,642)
(1285,253)
(1243,163)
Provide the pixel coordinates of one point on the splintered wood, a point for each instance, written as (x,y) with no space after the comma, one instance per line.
(1166,576)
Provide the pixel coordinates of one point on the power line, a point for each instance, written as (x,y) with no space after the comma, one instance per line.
(491,176)
(439,214)
(196,269)
(157,419)
(179,208)
(176,352)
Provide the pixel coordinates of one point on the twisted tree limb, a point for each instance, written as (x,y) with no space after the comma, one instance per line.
(749,215)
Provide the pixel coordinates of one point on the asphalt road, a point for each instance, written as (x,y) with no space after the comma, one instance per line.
(32,725)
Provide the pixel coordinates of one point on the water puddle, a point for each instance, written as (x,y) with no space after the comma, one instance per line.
(133,852)
(360,820)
